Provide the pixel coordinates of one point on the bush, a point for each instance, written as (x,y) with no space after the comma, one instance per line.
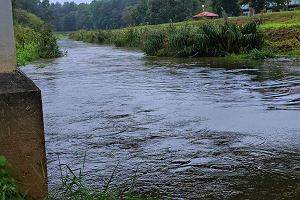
(48,44)
(31,45)
(33,38)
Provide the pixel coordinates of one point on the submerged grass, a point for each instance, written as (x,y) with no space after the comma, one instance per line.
(277,33)
(254,55)
(72,187)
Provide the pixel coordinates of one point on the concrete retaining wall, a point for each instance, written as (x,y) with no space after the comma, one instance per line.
(22,133)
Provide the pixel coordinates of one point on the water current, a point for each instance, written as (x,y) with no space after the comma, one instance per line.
(184,128)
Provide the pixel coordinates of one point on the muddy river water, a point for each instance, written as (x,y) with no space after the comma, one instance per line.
(184,128)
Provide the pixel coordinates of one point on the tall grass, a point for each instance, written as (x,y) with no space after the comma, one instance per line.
(72,186)
(27,53)
(181,41)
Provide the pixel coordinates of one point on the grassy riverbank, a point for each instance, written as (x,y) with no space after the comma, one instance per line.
(209,37)
(34,39)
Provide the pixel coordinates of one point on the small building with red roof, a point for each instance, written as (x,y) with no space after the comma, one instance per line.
(205,15)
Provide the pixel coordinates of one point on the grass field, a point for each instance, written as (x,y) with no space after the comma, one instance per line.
(281,31)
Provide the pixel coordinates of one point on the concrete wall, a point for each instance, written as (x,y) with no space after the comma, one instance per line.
(7,42)
(22,133)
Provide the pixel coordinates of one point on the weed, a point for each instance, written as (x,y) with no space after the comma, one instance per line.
(74,188)
(256,54)
(8,186)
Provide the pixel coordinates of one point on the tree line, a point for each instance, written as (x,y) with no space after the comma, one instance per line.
(109,14)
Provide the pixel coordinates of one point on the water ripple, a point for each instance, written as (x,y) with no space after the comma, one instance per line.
(185,128)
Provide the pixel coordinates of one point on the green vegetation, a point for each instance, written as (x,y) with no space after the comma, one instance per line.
(61,35)
(34,39)
(8,187)
(112,14)
(254,54)
(72,187)
(237,35)
(182,41)
(109,14)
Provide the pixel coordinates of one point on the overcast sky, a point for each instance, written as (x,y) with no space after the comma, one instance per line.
(77,1)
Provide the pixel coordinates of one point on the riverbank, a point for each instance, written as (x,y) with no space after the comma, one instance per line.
(280,35)
(34,39)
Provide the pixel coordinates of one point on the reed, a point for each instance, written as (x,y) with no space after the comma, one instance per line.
(181,41)
(72,186)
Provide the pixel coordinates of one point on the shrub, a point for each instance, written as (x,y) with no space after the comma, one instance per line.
(32,45)
(33,38)
(48,44)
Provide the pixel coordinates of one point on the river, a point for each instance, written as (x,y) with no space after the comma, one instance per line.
(183,128)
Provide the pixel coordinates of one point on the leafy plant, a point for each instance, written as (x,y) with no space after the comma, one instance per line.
(8,187)
(48,45)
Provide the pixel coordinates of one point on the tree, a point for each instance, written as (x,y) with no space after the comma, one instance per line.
(29,5)
(281,4)
(162,11)
(230,7)
(258,5)
(69,21)
(83,17)
(45,12)
(130,15)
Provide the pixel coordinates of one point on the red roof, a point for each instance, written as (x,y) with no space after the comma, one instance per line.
(206,14)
